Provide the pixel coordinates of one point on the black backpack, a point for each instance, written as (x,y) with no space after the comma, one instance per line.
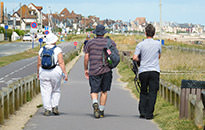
(47,58)
(135,65)
(110,53)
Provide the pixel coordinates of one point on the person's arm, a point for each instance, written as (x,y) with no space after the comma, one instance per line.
(86,58)
(62,65)
(135,57)
(38,66)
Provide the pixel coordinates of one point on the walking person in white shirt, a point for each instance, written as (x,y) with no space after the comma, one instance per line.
(149,52)
(50,78)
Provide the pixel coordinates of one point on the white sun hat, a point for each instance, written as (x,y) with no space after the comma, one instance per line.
(51,38)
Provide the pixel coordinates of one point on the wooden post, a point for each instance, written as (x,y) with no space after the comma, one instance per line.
(1,107)
(6,102)
(17,96)
(182,103)
(21,92)
(11,99)
(199,114)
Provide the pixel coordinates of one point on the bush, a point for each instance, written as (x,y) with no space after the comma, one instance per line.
(9,33)
(2,30)
(20,32)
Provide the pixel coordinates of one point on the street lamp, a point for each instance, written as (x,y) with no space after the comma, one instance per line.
(160,5)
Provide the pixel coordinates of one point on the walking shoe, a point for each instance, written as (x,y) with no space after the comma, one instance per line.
(96,110)
(101,114)
(55,110)
(142,116)
(47,113)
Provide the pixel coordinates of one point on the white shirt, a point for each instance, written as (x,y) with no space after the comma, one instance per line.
(149,50)
(57,50)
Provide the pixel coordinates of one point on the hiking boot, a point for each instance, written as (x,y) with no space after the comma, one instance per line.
(96,110)
(55,111)
(101,114)
(47,113)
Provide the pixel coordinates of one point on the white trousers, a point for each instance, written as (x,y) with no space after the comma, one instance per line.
(50,82)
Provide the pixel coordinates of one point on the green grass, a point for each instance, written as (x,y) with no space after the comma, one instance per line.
(166,115)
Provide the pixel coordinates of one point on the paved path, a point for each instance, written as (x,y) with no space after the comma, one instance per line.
(76,112)
(22,68)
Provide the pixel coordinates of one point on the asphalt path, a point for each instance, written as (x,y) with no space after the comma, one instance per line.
(25,67)
(14,48)
(76,112)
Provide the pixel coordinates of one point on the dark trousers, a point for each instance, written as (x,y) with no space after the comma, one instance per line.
(148,95)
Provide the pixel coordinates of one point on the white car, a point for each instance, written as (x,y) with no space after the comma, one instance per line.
(27,37)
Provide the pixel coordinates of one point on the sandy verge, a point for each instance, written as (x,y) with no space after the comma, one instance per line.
(21,117)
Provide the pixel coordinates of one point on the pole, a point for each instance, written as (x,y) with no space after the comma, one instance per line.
(160,21)
(21,15)
(33,41)
(0,12)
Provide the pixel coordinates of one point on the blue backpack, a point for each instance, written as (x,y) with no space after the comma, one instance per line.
(47,58)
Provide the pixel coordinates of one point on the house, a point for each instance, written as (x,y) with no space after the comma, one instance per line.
(38,10)
(24,17)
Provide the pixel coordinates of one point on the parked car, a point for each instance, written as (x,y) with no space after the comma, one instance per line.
(27,37)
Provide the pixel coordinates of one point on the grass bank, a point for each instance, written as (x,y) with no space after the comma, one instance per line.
(166,115)
(171,59)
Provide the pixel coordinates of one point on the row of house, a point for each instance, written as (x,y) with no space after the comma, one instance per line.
(70,21)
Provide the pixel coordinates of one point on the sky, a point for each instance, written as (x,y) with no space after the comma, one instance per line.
(180,11)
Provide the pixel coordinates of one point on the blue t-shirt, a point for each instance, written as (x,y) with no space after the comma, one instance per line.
(149,51)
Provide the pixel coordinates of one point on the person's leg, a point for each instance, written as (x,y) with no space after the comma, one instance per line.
(95,89)
(46,90)
(143,94)
(105,86)
(103,98)
(56,92)
(153,88)
(94,97)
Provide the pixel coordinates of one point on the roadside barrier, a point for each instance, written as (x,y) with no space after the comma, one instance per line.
(188,99)
(16,94)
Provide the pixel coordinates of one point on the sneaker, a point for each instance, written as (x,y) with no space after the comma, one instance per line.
(47,113)
(142,116)
(55,111)
(101,114)
(96,110)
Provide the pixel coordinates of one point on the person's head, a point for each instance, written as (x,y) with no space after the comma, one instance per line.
(51,39)
(150,30)
(100,30)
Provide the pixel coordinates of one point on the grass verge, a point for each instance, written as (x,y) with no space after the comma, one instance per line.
(166,115)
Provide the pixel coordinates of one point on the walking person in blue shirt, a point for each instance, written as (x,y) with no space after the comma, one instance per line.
(149,51)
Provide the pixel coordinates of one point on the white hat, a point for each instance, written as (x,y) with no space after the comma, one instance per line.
(51,38)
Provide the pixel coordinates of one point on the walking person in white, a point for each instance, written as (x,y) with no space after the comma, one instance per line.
(50,78)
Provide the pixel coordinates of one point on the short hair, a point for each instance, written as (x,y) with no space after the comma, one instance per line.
(150,30)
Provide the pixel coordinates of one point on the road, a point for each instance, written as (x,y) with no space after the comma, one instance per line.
(14,48)
(76,112)
(25,67)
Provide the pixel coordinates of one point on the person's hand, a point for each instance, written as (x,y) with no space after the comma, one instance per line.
(38,76)
(66,77)
(86,74)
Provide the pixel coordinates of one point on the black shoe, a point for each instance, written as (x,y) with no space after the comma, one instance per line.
(142,116)
(101,114)
(55,110)
(47,113)
(149,117)
(96,110)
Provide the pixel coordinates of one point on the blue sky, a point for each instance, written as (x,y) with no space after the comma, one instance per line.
(181,11)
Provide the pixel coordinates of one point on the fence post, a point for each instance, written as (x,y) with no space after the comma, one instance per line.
(199,114)
(11,99)
(17,95)
(1,107)
(6,102)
